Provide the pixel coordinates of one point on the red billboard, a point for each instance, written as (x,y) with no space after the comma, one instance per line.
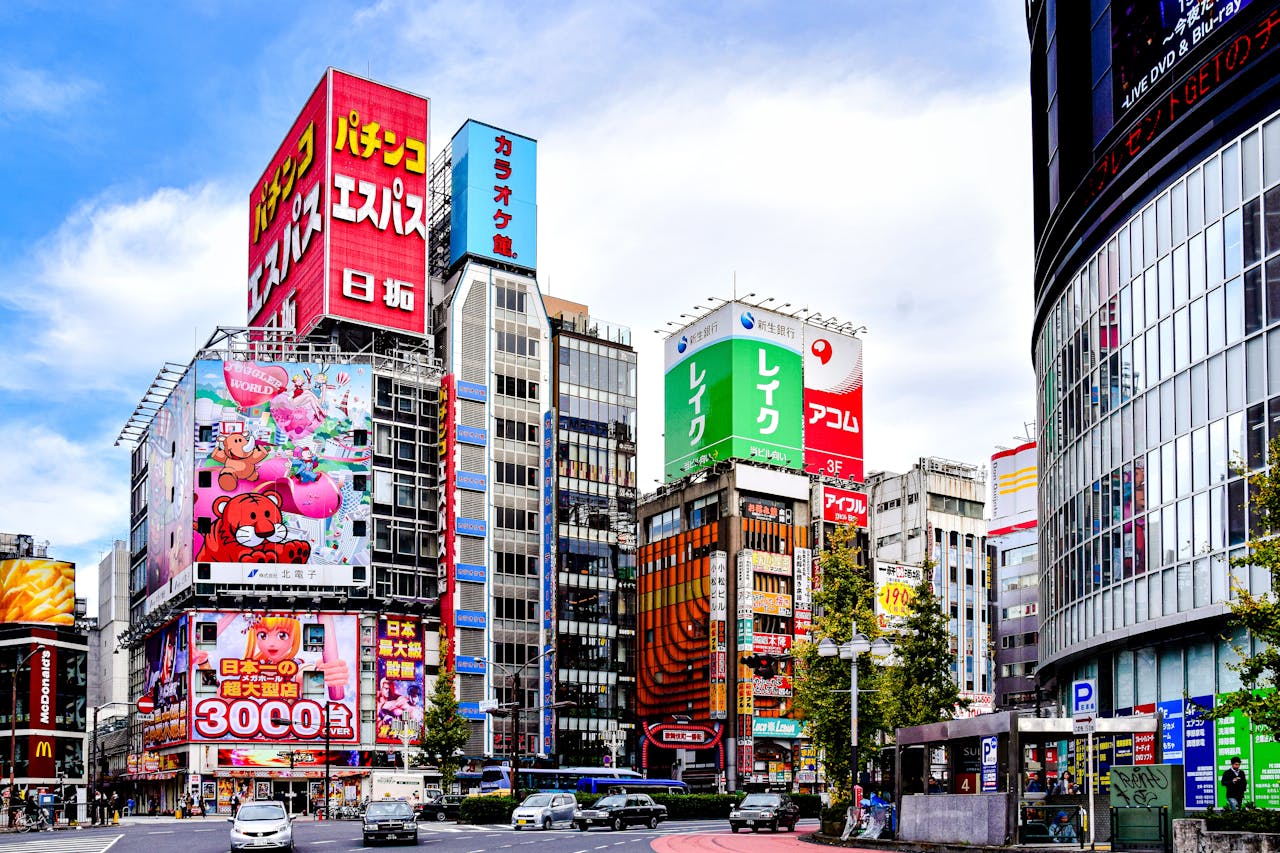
(338,221)
(832,404)
(842,506)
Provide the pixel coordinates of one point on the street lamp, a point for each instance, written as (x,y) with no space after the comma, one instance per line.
(13,711)
(93,754)
(857,646)
(516,708)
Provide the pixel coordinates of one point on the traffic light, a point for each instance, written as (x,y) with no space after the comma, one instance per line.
(764,666)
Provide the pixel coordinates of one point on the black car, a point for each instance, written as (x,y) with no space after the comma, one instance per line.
(618,811)
(386,820)
(444,807)
(760,810)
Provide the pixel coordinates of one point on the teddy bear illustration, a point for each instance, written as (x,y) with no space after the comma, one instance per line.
(237,463)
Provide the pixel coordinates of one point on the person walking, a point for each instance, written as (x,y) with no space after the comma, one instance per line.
(1235,783)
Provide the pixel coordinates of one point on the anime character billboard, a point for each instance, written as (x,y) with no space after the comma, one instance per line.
(400,678)
(168,656)
(281,458)
(277,676)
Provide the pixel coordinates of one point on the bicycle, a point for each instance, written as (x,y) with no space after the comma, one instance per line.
(33,823)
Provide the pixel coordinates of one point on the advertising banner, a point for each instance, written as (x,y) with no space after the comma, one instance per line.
(495,196)
(746,601)
(895,590)
(38,591)
(778,685)
(168,667)
(734,389)
(1014,490)
(832,404)
(718,618)
(1171,731)
(338,221)
(844,506)
(400,667)
(1150,37)
(777,727)
(772,644)
(275,674)
(772,603)
(803,579)
(169,489)
(279,448)
(1201,775)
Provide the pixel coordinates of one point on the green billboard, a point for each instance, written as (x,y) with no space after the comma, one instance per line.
(734,389)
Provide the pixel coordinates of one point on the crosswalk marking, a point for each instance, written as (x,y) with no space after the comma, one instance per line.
(60,842)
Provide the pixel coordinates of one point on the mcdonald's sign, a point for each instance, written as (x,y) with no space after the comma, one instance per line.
(41,761)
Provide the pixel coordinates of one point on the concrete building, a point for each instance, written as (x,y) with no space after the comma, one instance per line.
(935,511)
(1014,569)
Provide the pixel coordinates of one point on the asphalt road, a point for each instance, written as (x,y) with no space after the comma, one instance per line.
(211,836)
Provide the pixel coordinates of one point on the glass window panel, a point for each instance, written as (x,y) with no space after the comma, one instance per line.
(1124,682)
(1218,521)
(1250,165)
(1251,239)
(1254,301)
(1271,152)
(1231,178)
(1167,363)
(1271,219)
(1181,283)
(1255,374)
(1169,532)
(1181,339)
(1182,394)
(1232,244)
(1216,380)
(1169,579)
(1155,594)
(1200,668)
(1164,274)
(1178,198)
(1181,466)
(1235,378)
(1229,654)
(1195,264)
(1217,451)
(1215,319)
(1171,678)
(1212,189)
(1148,235)
(1144,671)
(1195,201)
(1200,458)
(1213,254)
(1163,226)
(1234,296)
(1184,587)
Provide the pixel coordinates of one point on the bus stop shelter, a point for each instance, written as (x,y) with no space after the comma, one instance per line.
(981,773)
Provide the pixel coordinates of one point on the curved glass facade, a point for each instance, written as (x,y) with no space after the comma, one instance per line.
(1157,367)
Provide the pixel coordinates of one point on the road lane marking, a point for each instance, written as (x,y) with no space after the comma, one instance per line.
(330,841)
(162,832)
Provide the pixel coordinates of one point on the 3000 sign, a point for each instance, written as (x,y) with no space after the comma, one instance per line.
(216,718)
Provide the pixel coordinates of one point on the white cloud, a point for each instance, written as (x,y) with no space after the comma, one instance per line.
(123,286)
(25,91)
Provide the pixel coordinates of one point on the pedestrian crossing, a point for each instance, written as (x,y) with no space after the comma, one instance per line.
(58,842)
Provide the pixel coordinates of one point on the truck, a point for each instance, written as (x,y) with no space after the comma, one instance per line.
(389,785)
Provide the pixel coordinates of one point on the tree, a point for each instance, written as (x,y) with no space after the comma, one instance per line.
(1259,672)
(847,598)
(444,731)
(920,687)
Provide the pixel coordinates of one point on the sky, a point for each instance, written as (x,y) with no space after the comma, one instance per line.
(867,160)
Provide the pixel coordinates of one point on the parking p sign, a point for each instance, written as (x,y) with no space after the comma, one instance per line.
(1084,705)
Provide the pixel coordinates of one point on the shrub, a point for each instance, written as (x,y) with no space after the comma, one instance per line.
(486,810)
(810,804)
(835,812)
(1247,819)
(696,806)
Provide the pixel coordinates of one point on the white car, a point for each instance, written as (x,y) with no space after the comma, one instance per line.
(544,810)
(259,826)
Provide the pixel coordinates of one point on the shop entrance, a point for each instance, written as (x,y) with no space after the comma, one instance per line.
(291,792)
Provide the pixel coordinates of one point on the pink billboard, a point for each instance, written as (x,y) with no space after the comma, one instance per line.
(338,221)
(832,404)
(274,675)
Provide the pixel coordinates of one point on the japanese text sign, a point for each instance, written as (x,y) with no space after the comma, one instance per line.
(495,179)
(842,506)
(832,404)
(400,660)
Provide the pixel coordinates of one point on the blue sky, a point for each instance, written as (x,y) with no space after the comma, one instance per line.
(869,160)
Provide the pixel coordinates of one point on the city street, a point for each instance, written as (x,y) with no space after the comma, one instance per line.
(210,835)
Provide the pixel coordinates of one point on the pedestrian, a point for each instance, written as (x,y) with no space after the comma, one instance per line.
(69,803)
(154,803)
(113,806)
(129,807)
(1235,783)
(13,805)
(235,802)
(935,787)
(1062,830)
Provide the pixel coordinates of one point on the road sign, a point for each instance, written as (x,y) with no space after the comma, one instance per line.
(1084,706)
(146,704)
(990,763)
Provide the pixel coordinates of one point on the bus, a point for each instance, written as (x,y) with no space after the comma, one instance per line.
(496,779)
(613,785)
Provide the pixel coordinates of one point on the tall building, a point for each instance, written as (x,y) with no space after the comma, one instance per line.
(594,381)
(1156,151)
(44,650)
(109,677)
(760,407)
(934,511)
(1014,570)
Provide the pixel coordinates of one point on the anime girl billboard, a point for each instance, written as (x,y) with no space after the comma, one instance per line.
(275,675)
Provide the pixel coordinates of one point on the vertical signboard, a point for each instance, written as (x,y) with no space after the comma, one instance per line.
(1170,733)
(338,221)
(746,602)
(990,763)
(1014,489)
(804,592)
(733,389)
(548,680)
(495,181)
(832,404)
(1200,775)
(719,617)
(170,486)
(401,679)
(448,513)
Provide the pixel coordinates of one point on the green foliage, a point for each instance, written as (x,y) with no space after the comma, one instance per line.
(1259,615)
(847,598)
(486,809)
(444,731)
(920,688)
(835,813)
(1250,818)
(810,804)
(696,806)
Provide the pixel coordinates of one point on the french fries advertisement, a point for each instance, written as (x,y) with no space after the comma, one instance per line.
(34,590)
